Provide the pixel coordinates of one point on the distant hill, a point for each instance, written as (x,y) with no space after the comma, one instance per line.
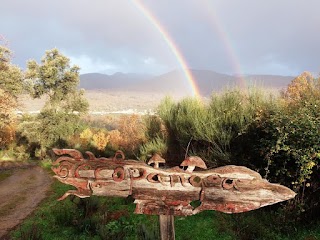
(268,81)
(175,82)
(119,81)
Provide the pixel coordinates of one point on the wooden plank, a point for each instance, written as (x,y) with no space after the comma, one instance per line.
(167,231)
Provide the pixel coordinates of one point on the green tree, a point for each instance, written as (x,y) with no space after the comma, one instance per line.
(11,84)
(59,119)
(11,78)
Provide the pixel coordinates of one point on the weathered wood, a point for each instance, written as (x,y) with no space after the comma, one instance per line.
(166,223)
(229,189)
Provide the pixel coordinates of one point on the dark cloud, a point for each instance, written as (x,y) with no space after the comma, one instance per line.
(274,37)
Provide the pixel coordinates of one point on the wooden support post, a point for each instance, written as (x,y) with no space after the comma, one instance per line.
(166,223)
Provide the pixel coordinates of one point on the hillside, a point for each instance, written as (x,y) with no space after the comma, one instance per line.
(175,82)
(118,92)
(97,81)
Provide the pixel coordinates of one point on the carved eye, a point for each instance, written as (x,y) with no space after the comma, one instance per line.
(155,178)
(118,174)
(195,181)
(214,179)
(228,183)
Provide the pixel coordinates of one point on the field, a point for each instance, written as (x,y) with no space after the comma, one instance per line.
(101,101)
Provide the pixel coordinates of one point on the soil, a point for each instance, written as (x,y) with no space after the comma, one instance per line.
(20,194)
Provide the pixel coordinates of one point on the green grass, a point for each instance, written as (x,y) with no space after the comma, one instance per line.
(201,226)
(91,218)
(113,218)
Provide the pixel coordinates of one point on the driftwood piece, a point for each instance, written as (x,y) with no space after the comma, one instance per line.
(229,189)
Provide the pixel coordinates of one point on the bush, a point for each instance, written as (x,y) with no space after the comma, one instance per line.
(156,145)
(209,130)
(287,141)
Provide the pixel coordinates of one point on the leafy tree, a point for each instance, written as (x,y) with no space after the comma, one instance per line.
(58,80)
(303,88)
(60,117)
(11,78)
(11,84)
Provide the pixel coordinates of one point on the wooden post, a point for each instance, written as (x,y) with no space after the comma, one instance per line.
(167,227)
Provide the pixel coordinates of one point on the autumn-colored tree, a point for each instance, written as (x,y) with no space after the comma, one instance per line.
(130,134)
(100,140)
(302,88)
(86,136)
(115,140)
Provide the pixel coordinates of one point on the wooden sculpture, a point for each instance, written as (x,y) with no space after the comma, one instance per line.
(167,192)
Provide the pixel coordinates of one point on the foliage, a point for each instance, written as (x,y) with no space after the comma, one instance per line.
(154,127)
(288,141)
(49,128)
(7,135)
(277,137)
(129,135)
(302,88)
(60,117)
(156,135)
(100,140)
(209,130)
(86,135)
(11,79)
(155,145)
(11,84)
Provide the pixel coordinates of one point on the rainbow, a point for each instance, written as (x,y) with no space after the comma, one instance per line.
(217,25)
(172,45)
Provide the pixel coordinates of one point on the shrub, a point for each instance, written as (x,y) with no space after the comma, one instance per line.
(129,135)
(287,142)
(100,140)
(209,130)
(155,145)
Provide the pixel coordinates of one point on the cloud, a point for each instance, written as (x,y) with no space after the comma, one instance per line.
(88,65)
(211,34)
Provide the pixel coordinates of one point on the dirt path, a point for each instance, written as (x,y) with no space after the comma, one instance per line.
(20,194)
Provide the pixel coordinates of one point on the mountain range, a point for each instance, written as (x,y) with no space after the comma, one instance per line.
(175,82)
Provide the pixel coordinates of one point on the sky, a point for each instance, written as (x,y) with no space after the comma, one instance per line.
(278,37)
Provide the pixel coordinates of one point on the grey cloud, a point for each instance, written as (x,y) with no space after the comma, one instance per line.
(275,37)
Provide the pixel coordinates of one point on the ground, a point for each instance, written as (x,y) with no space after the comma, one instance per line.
(20,194)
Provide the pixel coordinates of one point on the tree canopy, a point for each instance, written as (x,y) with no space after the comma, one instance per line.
(11,78)
(57,79)
(59,119)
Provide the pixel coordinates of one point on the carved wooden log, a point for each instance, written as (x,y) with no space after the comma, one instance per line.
(229,189)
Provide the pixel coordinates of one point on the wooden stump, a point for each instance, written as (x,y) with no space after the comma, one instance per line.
(167,227)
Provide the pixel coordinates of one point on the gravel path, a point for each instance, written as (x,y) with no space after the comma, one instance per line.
(20,194)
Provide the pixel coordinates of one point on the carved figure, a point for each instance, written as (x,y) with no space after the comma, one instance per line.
(229,189)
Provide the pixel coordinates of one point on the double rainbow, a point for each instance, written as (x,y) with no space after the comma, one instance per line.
(176,51)
(173,47)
